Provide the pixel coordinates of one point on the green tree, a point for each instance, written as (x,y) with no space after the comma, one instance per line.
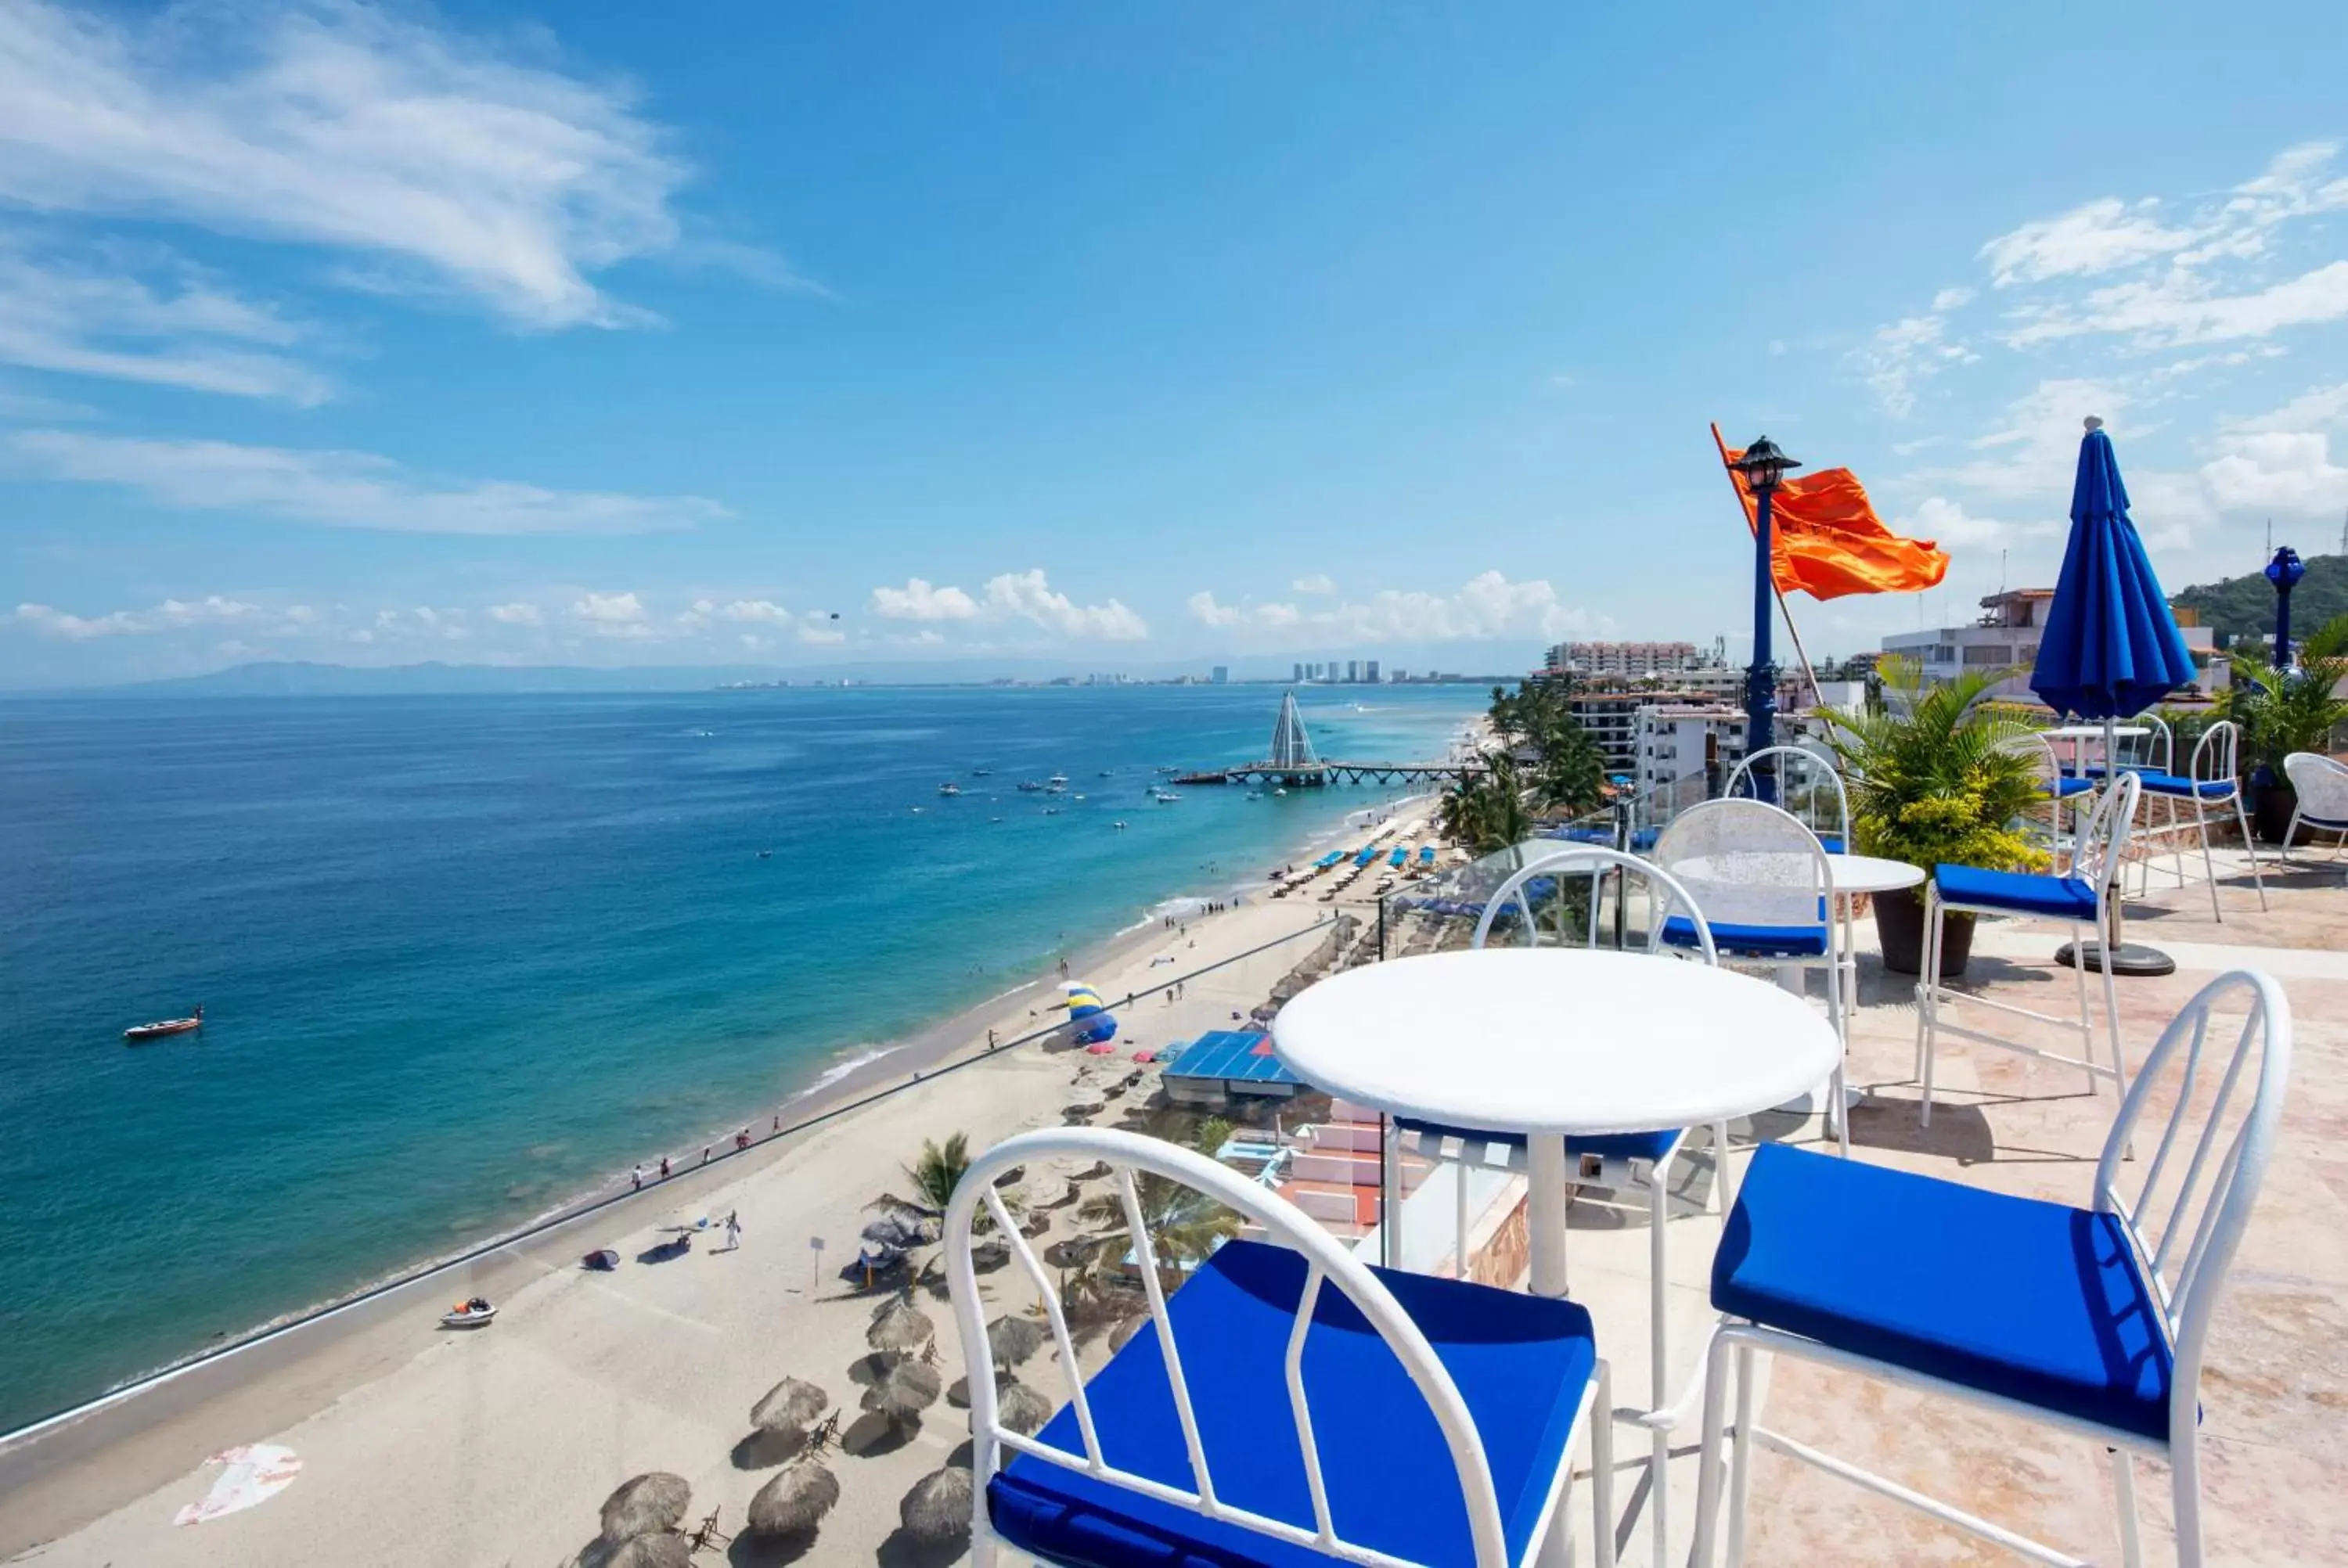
(1938,775)
(2286,710)
(1184,1226)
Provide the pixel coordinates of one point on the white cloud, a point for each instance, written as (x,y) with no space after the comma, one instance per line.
(1907,350)
(516,615)
(1948,525)
(2288,471)
(2096,237)
(2180,308)
(433,161)
(344,489)
(1318,582)
(1027,595)
(609,608)
(1952,299)
(1484,607)
(919,600)
(2318,406)
(819,633)
(1205,609)
(94,315)
(171,615)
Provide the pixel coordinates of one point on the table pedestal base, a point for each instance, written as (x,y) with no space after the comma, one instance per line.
(2132,959)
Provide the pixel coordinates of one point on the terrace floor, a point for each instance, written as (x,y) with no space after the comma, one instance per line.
(2275,1386)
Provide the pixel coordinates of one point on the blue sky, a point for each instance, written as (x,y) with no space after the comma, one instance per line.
(1121,335)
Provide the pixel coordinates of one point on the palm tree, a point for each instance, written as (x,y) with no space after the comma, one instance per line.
(932,1179)
(2286,710)
(1487,812)
(1184,1226)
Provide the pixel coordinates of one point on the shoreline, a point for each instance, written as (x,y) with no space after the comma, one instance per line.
(300,1365)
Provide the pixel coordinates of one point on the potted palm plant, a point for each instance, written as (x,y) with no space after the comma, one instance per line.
(1933,777)
(2286,710)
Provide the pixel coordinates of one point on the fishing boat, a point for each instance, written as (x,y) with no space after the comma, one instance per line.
(163,1029)
(982,772)
(950,787)
(1029,786)
(1117,824)
(1056,784)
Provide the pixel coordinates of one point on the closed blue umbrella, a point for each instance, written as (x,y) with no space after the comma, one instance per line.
(2110,648)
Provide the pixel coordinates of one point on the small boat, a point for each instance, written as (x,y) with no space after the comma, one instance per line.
(139,1034)
(1116,825)
(982,772)
(1164,796)
(766,854)
(1056,782)
(950,788)
(1029,786)
(471,1314)
(1280,792)
(1051,811)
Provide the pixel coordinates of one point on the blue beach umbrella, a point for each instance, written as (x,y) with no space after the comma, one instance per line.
(2110,648)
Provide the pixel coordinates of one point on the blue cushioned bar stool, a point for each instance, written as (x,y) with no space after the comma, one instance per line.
(2210,783)
(1613,1162)
(1288,1405)
(2081,895)
(1761,879)
(2092,1321)
(2321,787)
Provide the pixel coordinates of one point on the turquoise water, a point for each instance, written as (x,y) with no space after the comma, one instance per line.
(462,957)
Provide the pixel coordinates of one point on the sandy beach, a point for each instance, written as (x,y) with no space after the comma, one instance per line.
(497,1446)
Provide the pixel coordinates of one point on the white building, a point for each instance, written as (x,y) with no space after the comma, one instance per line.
(1678,748)
(2006,638)
(1632,661)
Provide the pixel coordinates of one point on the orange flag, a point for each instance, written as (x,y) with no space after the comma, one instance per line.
(1828,541)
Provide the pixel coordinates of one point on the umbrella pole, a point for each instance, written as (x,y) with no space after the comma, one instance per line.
(2137,961)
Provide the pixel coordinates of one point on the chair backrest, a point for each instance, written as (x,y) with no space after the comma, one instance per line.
(2189,1210)
(2103,838)
(2155,750)
(1747,864)
(2320,784)
(1664,894)
(1815,774)
(1327,1262)
(2216,753)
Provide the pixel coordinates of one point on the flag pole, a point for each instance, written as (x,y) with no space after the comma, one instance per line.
(1818,694)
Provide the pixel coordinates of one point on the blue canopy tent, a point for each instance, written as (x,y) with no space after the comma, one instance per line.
(2110,648)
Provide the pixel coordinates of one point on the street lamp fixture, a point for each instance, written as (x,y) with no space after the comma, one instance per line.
(2284,571)
(1764,466)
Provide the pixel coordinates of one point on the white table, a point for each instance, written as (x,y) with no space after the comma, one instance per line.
(2079,735)
(1553,1042)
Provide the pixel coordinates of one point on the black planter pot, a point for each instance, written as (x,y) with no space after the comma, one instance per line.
(2272,806)
(1900,929)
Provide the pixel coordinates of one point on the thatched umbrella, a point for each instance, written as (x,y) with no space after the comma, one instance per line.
(899,1326)
(650,1503)
(790,1406)
(938,1508)
(1125,1331)
(795,1500)
(665,1550)
(1013,1337)
(904,1391)
(1020,1407)
(1071,1251)
(901,1228)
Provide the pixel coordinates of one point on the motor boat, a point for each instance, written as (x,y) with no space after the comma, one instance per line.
(950,788)
(1029,786)
(1056,784)
(139,1034)
(471,1314)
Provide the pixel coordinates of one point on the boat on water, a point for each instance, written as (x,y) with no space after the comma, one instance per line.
(1116,825)
(950,787)
(982,772)
(1164,796)
(163,1029)
(1029,786)
(1056,784)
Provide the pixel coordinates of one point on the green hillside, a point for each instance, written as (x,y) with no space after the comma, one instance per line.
(2245,606)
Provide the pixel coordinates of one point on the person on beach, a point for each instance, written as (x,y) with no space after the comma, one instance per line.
(636,1178)
(778,1124)
(990,1040)
(663,1167)
(742,1139)
(704,1154)
(732,1233)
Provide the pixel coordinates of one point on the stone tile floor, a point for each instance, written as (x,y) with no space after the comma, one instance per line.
(2275,1389)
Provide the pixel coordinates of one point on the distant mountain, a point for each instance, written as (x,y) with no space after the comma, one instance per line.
(2245,606)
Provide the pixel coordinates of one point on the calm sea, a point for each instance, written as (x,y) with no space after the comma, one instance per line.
(461,957)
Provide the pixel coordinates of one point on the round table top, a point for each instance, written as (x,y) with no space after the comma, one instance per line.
(1555,1040)
(2093,731)
(1846,873)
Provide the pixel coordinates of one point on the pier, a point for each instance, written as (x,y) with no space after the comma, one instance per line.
(1295,764)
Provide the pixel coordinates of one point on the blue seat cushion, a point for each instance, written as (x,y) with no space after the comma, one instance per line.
(2033,1301)
(2066,787)
(1753,941)
(1831,843)
(1521,1362)
(2177,784)
(2023,892)
(1652,1146)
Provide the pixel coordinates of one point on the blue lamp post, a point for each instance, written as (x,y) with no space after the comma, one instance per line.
(2284,571)
(1762,465)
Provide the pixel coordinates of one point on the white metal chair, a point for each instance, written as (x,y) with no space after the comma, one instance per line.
(2061,789)
(1762,880)
(1810,775)
(2081,894)
(1430,1420)
(2092,1321)
(2210,781)
(1613,1162)
(2321,787)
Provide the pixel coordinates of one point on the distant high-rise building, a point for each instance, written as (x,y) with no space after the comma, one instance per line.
(1334,668)
(1297,674)
(1222,674)
(1370,671)
(1352,669)
(1401,675)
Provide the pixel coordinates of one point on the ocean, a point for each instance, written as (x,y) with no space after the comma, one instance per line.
(463,957)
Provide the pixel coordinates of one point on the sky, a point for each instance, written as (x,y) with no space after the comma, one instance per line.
(1123,336)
